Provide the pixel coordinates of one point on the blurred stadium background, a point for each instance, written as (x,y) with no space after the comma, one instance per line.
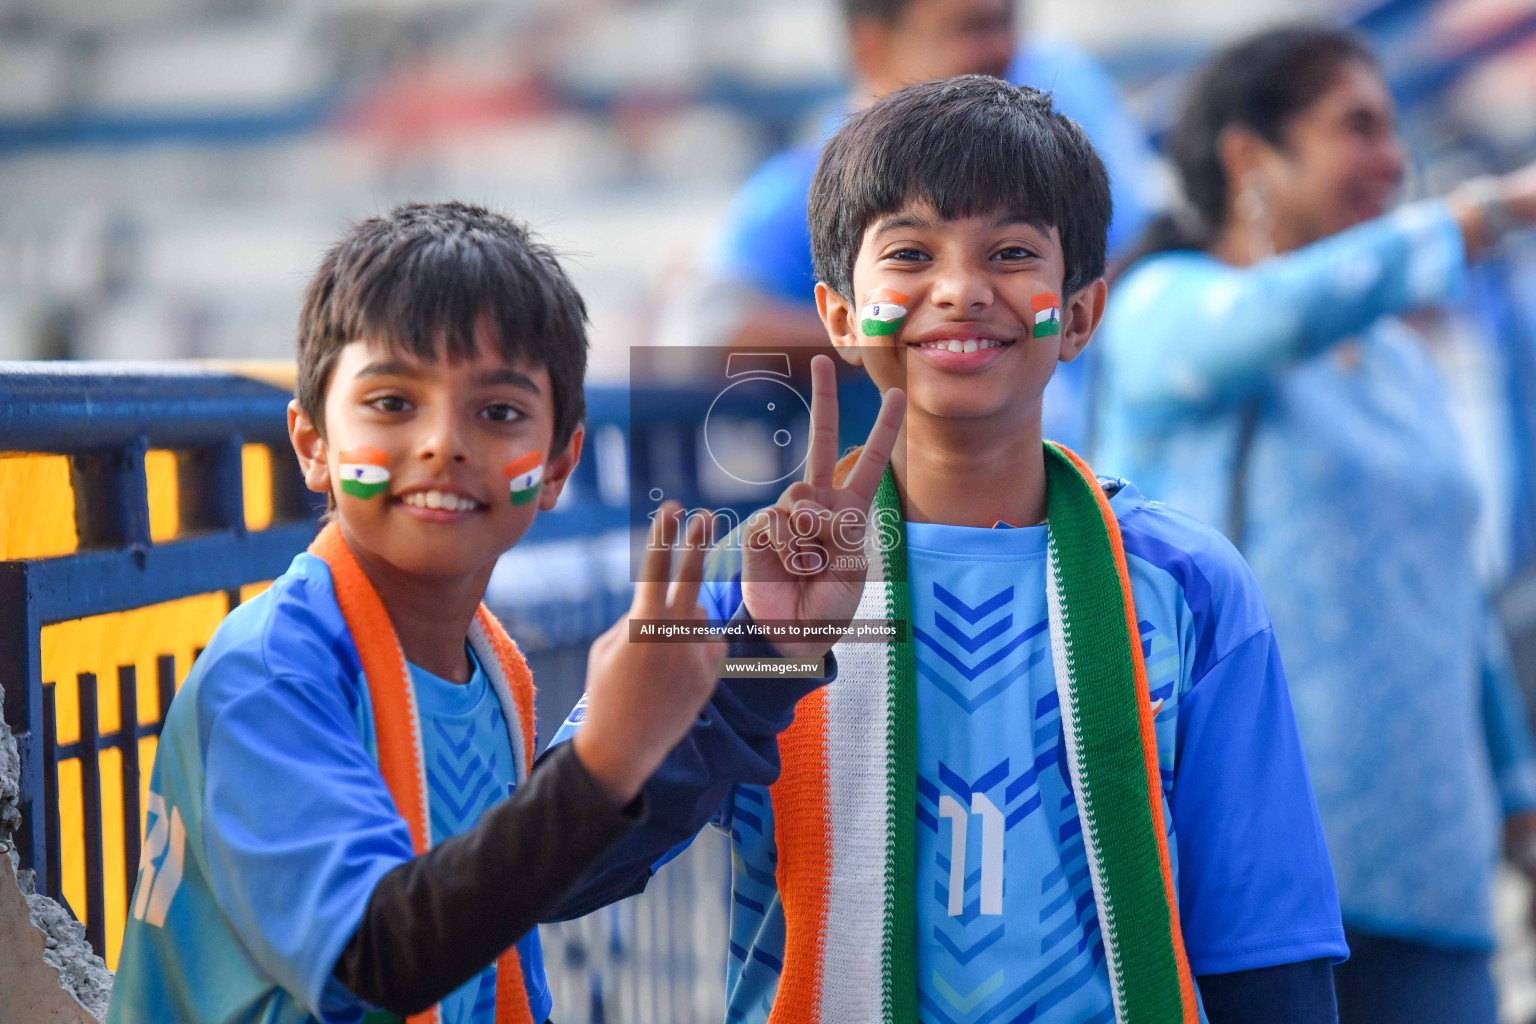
(170,171)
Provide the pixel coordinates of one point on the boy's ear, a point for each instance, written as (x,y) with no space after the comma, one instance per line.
(837,316)
(309,446)
(559,470)
(1085,307)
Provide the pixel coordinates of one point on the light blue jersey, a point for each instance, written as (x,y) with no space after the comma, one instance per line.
(470,770)
(270,825)
(1006,926)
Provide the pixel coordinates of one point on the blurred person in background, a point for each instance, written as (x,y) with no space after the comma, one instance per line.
(1257,372)
(760,288)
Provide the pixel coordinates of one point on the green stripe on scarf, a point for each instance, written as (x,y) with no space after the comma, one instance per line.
(899,958)
(1109,768)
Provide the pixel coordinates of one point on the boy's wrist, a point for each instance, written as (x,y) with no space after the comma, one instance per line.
(757,646)
(619,782)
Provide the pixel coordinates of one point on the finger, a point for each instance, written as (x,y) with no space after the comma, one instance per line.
(656,562)
(777,526)
(864,480)
(690,568)
(795,493)
(756,532)
(822,458)
(809,520)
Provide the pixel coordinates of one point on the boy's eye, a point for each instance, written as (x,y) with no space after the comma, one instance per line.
(1013,252)
(501,413)
(390,403)
(908,255)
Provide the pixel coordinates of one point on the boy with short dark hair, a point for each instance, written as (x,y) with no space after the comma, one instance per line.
(344,815)
(1077,794)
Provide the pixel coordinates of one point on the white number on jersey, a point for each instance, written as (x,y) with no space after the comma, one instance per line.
(992,827)
(157,885)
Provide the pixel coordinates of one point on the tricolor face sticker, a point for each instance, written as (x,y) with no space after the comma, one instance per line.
(883,313)
(364,472)
(526,477)
(1047,315)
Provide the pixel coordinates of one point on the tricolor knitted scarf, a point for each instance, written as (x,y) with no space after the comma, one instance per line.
(844,804)
(397,726)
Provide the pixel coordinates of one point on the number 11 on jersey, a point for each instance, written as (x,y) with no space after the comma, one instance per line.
(992,827)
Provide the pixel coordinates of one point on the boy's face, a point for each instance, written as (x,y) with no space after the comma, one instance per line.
(977,341)
(444,433)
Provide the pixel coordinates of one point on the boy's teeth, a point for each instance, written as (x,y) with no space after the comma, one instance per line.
(962,345)
(440,500)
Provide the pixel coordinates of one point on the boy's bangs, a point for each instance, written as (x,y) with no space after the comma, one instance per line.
(990,179)
(430,308)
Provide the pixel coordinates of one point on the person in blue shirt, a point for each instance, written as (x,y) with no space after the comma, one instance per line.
(345,817)
(758,283)
(958,229)
(1259,372)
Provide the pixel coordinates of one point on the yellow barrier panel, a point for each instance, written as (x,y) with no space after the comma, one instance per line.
(256,468)
(164,517)
(100,644)
(37,507)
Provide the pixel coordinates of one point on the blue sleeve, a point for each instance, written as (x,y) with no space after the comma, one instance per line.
(734,742)
(1288,994)
(1256,887)
(299,827)
(1506,725)
(1185,329)
(765,241)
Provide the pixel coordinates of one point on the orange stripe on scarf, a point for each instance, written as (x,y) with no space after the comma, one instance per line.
(1148,733)
(802,817)
(802,826)
(396,726)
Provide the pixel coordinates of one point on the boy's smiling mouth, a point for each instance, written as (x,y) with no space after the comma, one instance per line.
(960,348)
(962,344)
(437,503)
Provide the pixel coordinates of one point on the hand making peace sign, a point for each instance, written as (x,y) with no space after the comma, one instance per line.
(802,558)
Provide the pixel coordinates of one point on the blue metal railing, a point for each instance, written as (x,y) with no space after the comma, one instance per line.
(105,418)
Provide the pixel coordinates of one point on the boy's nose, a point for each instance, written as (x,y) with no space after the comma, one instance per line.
(961,292)
(443,442)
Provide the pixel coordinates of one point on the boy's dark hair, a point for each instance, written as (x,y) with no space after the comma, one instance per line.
(421,278)
(969,145)
(884,11)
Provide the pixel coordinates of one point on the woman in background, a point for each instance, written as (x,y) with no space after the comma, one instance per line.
(1256,374)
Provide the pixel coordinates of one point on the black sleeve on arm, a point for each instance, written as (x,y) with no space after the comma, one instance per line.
(1299,993)
(734,742)
(437,920)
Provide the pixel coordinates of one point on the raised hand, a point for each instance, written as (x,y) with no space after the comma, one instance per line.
(803,557)
(642,697)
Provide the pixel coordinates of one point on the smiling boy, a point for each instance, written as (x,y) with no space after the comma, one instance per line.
(1077,794)
(330,829)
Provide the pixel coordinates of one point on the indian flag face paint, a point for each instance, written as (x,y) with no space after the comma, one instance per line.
(1047,315)
(885,310)
(364,472)
(526,476)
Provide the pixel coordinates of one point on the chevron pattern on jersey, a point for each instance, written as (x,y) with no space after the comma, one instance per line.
(461,775)
(967,654)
